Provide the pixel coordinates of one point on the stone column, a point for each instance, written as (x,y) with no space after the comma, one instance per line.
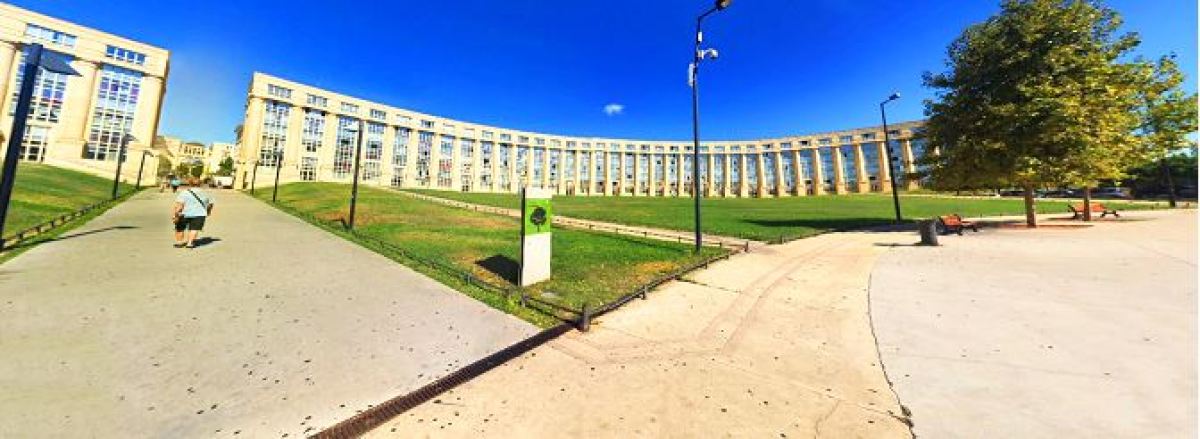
(292,147)
(910,163)
(839,171)
(818,172)
(680,179)
(781,189)
(561,187)
(149,106)
(708,179)
(860,169)
(80,100)
(760,167)
(607,173)
(885,171)
(476,164)
(798,172)
(8,61)
(650,183)
(252,131)
(576,181)
(621,169)
(513,183)
(387,170)
(726,185)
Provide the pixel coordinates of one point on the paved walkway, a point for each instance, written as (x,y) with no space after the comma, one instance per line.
(772,343)
(273,330)
(1048,333)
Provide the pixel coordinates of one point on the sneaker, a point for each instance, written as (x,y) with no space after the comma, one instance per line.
(178,245)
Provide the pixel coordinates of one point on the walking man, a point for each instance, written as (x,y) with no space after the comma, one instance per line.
(192,207)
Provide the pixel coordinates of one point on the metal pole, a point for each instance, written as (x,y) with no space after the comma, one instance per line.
(887,143)
(254,176)
(696,130)
(141,166)
(17,134)
(354,189)
(278,166)
(120,161)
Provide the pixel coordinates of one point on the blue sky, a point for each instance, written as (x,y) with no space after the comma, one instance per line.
(786,66)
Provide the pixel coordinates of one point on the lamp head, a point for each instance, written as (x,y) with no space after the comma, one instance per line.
(893,97)
(722,4)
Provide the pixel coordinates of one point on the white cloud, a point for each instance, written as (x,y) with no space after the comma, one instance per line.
(614,109)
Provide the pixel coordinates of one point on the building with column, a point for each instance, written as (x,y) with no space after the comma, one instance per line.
(313,134)
(78,121)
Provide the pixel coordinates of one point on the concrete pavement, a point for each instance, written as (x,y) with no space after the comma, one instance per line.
(1046,333)
(273,330)
(772,343)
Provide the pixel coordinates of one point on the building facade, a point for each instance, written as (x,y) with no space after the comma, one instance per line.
(78,121)
(313,135)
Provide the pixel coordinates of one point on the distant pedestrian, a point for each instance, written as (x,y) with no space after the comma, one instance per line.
(192,207)
(175,183)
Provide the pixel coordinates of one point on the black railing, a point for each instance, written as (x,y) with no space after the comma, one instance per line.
(21,237)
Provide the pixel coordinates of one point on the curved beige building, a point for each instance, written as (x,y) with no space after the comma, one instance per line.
(78,121)
(315,132)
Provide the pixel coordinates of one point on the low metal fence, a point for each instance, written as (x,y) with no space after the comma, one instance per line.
(56,222)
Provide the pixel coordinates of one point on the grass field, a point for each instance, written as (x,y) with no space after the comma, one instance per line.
(43,192)
(587,267)
(768,218)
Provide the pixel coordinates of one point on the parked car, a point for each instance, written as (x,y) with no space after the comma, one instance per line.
(1110,193)
(1062,193)
(223,181)
(1012,193)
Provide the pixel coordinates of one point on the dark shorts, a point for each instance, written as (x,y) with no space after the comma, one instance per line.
(190,223)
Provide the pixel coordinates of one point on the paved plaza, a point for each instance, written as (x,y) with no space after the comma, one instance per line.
(1049,333)
(274,329)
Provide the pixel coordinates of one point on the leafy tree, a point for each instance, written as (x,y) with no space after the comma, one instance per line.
(1168,118)
(1036,95)
(225,167)
(197,169)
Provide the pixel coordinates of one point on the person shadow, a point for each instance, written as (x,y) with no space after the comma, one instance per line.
(205,240)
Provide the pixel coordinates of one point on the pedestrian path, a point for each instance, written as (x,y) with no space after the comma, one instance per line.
(273,328)
(772,343)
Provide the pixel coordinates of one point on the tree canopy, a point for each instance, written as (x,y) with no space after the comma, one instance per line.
(1039,94)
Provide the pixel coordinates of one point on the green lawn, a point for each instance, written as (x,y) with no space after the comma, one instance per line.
(768,219)
(43,192)
(587,267)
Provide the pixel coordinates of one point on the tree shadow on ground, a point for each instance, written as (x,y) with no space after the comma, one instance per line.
(502,266)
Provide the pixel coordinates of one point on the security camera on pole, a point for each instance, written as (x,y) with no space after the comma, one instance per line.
(699,55)
(37,60)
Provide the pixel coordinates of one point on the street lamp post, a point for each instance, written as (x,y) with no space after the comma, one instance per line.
(354,187)
(141,166)
(699,55)
(278,166)
(887,144)
(121,161)
(37,60)
(254,176)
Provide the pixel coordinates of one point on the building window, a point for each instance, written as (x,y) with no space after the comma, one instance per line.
(507,137)
(308,169)
(349,108)
(467,148)
(403,120)
(373,151)
(314,130)
(445,161)
(126,55)
(279,92)
(868,136)
(51,36)
(317,101)
(378,114)
(487,135)
(33,146)
(400,155)
(427,124)
(49,91)
(112,115)
(424,151)
(274,136)
(485,163)
(505,166)
(343,155)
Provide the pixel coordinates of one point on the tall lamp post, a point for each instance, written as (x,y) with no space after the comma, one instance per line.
(278,166)
(37,60)
(887,143)
(357,154)
(121,161)
(254,176)
(699,55)
(142,165)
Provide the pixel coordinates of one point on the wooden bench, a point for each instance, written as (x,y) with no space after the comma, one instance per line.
(1077,210)
(954,223)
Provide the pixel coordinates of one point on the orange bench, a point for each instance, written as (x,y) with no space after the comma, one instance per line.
(954,223)
(1077,210)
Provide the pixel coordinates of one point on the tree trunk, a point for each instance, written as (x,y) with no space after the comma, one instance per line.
(1087,203)
(1030,208)
(1171,200)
